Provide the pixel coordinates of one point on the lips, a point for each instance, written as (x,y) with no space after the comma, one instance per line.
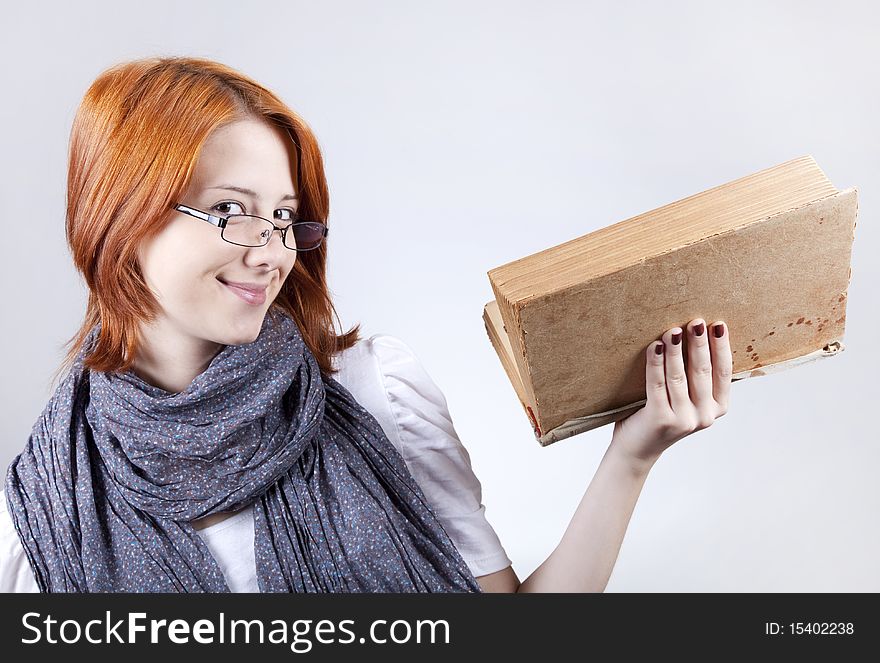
(255,288)
(252,293)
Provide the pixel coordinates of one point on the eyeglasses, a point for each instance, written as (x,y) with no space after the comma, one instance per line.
(250,230)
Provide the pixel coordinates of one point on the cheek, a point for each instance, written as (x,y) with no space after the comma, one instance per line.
(182,278)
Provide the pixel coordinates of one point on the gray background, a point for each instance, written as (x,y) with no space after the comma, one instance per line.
(461,135)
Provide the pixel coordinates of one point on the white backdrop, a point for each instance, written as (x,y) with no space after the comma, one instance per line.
(461,135)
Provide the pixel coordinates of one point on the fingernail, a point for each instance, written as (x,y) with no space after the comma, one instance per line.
(658,349)
(699,329)
(676,338)
(719,329)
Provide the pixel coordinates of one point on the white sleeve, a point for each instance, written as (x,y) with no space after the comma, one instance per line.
(434,454)
(15,570)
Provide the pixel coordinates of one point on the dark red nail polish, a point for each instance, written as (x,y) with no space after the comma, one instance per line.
(719,330)
(699,329)
(658,349)
(676,338)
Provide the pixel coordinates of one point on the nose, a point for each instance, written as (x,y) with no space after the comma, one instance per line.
(271,254)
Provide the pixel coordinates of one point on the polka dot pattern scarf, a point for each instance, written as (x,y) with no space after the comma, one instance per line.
(115,468)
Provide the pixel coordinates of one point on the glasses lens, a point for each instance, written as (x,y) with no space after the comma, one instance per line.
(254,231)
(247,230)
(306,234)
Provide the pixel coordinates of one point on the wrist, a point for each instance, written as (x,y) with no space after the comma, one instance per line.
(638,463)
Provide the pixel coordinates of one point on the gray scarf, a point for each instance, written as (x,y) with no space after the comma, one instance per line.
(115,468)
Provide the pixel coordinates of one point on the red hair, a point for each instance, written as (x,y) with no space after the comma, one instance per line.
(134,144)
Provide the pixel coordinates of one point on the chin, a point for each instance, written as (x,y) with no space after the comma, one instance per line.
(243,333)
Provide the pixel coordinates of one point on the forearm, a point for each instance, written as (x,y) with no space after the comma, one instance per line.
(585,557)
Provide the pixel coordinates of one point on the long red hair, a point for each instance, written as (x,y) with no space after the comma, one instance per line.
(134,144)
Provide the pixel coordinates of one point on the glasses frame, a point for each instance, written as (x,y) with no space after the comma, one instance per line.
(221,221)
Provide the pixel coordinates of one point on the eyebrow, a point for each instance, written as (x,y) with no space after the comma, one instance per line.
(248,192)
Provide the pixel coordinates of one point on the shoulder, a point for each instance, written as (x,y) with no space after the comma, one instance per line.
(15,570)
(379,372)
(378,351)
(388,378)
(387,361)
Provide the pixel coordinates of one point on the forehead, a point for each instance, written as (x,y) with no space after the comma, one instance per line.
(249,154)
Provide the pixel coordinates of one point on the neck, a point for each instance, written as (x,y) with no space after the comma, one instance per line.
(171,360)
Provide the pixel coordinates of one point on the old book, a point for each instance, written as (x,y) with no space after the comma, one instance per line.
(768,253)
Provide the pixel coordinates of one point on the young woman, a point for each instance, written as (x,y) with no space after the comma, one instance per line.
(213,433)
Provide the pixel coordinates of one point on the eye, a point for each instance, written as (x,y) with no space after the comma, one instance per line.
(291,214)
(228,203)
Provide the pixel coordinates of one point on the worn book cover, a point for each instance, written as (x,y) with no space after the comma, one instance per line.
(768,253)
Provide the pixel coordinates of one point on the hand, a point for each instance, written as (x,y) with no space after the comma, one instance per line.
(678,405)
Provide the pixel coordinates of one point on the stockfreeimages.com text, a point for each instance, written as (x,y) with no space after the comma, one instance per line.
(300,634)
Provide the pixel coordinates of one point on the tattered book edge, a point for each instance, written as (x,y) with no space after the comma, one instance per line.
(582,424)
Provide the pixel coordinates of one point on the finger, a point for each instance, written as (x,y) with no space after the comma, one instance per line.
(655,378)
(722,363)
(699,366)
(676,381)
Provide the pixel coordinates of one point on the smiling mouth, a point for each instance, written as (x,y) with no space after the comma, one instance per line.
(255,288)
(252,297)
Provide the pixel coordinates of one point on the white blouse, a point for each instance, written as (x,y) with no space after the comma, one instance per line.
(388,380)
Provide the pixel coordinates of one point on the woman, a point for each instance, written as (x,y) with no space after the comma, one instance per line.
(201,388)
